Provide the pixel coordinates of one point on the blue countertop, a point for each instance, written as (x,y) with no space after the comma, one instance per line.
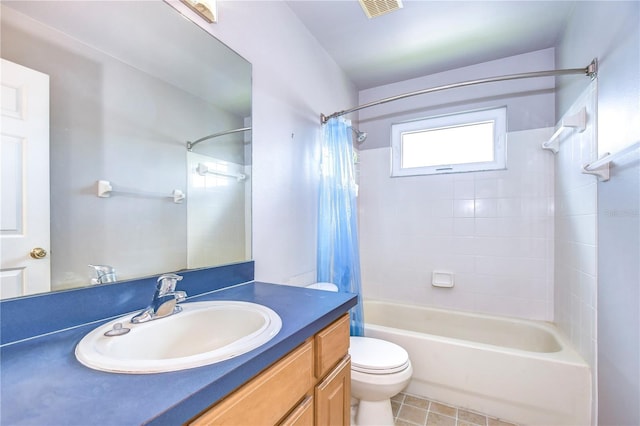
(42,383)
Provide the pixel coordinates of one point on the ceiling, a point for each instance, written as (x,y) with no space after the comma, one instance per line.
(427,37)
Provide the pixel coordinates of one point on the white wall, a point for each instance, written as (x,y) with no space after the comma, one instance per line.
(530,102)
(610,31)
(294,80)
(493,230)
(216,218)
(575,254)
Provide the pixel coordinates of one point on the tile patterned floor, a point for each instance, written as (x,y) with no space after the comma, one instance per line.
(411,410)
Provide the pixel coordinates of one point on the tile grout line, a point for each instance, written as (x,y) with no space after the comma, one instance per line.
(457,421)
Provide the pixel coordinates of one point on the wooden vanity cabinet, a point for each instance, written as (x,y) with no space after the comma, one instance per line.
(333,374)
(309,386)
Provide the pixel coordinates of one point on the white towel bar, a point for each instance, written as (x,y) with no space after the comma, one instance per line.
(575,121)
(203,169)
(600,167)
(105,189)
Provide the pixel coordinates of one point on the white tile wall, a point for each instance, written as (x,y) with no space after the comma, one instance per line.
(576,233)
(494,230)
(210,197)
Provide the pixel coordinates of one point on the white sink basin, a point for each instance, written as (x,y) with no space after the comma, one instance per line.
(203,333)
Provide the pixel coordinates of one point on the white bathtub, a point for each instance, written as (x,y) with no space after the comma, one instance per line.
(522,371)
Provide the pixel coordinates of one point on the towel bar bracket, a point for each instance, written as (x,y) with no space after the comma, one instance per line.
(602,172)
(576,121)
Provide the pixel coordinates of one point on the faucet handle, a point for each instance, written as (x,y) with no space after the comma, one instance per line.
(180,296)
(167,283)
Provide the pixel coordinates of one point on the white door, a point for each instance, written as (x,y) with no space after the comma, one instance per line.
(24,158)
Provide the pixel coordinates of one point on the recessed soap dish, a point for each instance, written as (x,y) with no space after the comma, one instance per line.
(442,279)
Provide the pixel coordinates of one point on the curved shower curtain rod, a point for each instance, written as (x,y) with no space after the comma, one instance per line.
(190,145)
(590,70)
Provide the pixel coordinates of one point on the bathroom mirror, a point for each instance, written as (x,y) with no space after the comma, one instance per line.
(130,83)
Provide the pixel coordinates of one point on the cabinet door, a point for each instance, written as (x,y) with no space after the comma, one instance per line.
(302,415)
(332,344)
(333,396)
(269,397)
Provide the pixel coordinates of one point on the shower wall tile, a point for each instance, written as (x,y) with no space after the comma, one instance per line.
(575,306)
(463,227)
(485,207)
(464,188)
(493,230)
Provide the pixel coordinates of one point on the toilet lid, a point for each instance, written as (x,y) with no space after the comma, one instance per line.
(324,286)
(375,356)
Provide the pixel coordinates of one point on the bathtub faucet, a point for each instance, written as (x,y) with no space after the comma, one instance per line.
(165,300)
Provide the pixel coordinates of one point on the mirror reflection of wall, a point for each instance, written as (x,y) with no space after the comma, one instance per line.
(118,119)
(216,187)
(219,171)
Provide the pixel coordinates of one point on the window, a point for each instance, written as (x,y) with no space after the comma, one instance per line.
(465,142)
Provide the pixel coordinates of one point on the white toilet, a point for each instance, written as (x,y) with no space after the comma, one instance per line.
(379,370)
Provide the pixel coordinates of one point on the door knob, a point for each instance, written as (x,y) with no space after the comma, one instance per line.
(38,253)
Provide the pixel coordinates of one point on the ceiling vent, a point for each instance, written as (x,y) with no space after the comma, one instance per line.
(374,8)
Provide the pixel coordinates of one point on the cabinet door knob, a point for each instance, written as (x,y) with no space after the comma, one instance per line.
(38,253)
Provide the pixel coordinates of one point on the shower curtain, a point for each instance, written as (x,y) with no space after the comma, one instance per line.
(338,255)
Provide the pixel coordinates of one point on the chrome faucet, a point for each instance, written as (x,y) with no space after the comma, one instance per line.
(165,300)
(104,274)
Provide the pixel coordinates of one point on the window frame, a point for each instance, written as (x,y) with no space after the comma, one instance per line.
(497,115)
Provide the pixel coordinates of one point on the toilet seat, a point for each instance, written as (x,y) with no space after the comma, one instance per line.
(375,356)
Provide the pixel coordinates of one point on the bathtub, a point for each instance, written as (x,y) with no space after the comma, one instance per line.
(521,371)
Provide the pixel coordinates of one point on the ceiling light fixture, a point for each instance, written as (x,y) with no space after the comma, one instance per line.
(375,8)
(207,9)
